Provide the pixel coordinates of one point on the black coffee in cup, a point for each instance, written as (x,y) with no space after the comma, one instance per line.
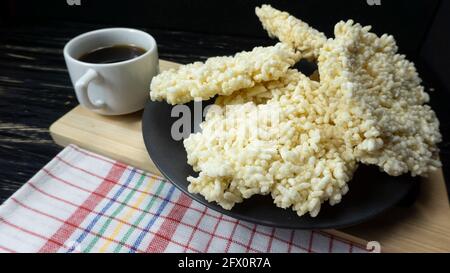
(112,54)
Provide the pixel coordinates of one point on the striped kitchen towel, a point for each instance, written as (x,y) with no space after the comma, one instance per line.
(84,202)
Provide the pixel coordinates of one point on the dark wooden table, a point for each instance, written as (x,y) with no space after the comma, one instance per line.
(35,89)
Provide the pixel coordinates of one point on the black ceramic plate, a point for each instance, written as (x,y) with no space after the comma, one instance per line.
(371,191)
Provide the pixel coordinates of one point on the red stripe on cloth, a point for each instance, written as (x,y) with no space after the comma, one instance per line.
(169,226)
(175,203)
(53,196)
(162,216)
(269,245)
(107,179)
(96,193)
(198,210)
(194,230)
(330,246)
(291,241)
(89,154)
(80,214)
(230,239)
(213,233)
(62,221)
(105,215)
(310,244)
(185,224)
(249,245)
(110,181)
(29,232)
(219,218)
(6,249)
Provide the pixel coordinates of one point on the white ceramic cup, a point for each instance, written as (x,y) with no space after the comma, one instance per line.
(113,88)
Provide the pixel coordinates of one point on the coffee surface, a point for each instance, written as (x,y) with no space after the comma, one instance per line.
(112,54)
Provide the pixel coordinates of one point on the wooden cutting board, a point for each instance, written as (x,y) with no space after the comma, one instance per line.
(422,227)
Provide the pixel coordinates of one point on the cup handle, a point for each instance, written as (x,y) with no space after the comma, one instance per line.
(81,90)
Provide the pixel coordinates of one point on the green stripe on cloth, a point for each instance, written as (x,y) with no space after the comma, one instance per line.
(141,217)
(114,214)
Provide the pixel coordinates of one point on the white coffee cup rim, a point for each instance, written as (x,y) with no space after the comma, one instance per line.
(98,31)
